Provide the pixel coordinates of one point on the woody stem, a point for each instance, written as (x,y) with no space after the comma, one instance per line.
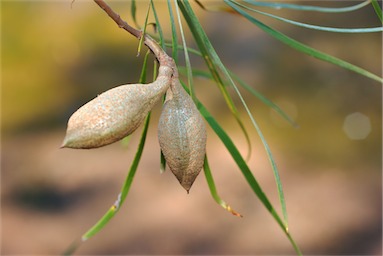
(160,54)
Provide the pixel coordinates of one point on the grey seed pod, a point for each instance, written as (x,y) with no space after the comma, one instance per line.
(115,113)
(182,135)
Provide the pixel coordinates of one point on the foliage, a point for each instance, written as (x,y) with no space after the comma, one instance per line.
(225,79)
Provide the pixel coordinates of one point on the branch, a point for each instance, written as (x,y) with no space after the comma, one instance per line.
(160,54)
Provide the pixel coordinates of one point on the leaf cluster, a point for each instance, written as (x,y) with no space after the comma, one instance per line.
(224,79)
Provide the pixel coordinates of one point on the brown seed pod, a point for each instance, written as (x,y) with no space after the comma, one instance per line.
(182,135)
(115,113)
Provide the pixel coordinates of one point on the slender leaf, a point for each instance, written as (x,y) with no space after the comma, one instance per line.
(100,224)
(302,47)
(174,34)
(245,171)
(129,179)
(125,141)
(377,9)
(125,189)
(143,74)
(265,100)
(213,190)
(190,50)
(162,163)
(204,74)
(133,11)
(144,32)
(212,61)
(321,28)
(308,7)
(219,64)
(162,41)
(186,54)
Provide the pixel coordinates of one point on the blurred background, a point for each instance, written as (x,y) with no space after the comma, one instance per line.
(57,56)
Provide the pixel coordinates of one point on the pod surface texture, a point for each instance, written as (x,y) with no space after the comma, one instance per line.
(182,135)
(115,113)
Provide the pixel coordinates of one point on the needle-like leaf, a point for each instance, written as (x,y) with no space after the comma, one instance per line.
(205,74)
(174,34)
(302,47)
(312,8)
(144,32)
(213,62)
(213,190)
(218,64)
(378,9)
(309,26)
(158,25)
(246,171)
(129,179)
(186,54)
(125,188)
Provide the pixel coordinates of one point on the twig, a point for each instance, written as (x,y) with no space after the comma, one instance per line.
(160,54)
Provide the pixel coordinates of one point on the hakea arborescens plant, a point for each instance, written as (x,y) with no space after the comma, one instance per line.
(118,112)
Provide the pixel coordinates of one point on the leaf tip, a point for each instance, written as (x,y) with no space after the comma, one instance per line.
(229,209)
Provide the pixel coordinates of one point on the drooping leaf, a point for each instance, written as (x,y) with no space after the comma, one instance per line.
(213,190)
(125,188)
(133,11)
(378,10)
(302,47)
(245,170)
(159,28)
(309,26)
(312,8)
(174,34)
(127,184)
(207,75)
(144,32)
(218,64)
(213,62)
(186,54)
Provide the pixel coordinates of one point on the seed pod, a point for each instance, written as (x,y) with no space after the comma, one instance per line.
(182,135)
(115,113)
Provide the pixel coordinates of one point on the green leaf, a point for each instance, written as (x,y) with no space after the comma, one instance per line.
(212,61)
(142,79)
(128,181)
(100,224)
(162,41)
(144,32)
(125,141)
(302,47)
(308,7)
(174,34)
(133,11)
(222,68)
(213,190)
(162,163)
(125,189)
(241,163)
(204,74)
(321,28)
(264,100)
(186,54)
(377,9)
